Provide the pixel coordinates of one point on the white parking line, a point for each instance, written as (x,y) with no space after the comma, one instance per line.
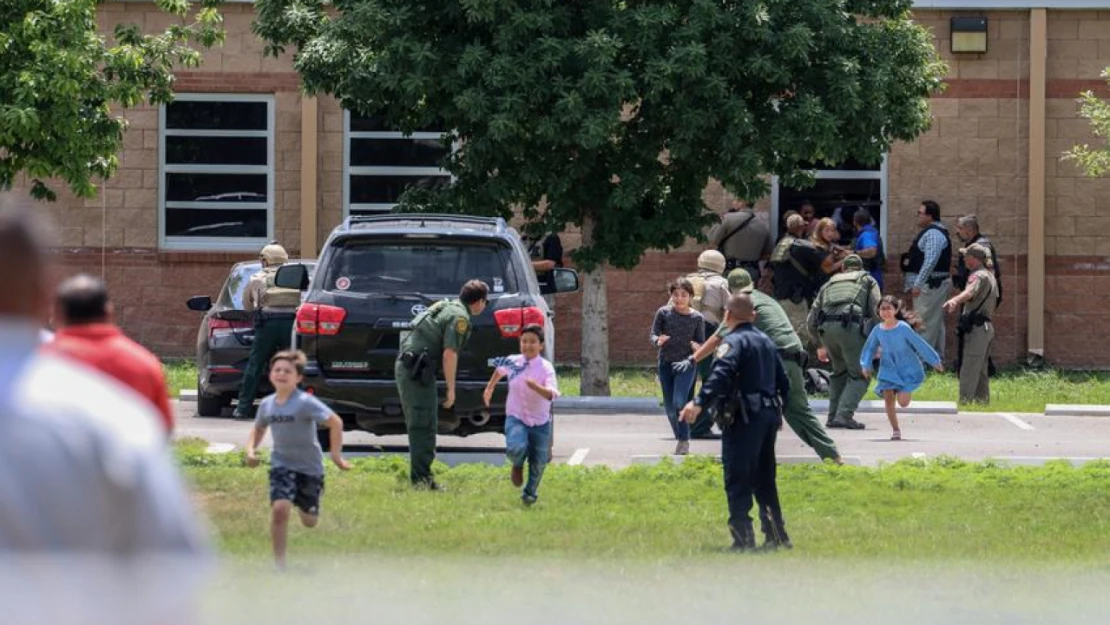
(578,457)
(1016,421)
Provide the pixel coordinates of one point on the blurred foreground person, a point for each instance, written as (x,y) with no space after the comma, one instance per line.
(95,524)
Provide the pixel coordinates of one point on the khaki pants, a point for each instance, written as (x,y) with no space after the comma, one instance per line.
(929,306)
(974,381)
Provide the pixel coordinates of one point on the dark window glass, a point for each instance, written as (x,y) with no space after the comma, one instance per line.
(199,222)
(216,150)
(376,123)
(396,152)
(206,115)
(216,187)
(431,268)
(386,189)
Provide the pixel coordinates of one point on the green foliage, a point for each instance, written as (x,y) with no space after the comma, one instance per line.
(63,85)
(938,509)
(613,112)
(1094,161)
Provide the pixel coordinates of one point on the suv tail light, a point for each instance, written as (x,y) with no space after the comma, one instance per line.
(512,320)
(223,327)
(319,319)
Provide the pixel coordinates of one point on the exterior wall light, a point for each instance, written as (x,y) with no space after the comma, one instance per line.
(969,34)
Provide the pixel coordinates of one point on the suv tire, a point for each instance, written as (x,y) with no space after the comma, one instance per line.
(209,405)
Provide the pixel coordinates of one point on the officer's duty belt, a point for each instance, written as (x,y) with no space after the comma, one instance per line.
(844,318)
(797,356)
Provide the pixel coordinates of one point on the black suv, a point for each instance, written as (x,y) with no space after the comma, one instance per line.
(375,274)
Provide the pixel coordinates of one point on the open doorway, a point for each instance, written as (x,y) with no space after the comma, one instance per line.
(837,194)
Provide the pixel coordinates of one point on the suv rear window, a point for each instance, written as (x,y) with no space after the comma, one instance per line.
(426,267)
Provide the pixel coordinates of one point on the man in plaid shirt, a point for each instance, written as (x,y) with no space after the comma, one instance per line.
(927,265)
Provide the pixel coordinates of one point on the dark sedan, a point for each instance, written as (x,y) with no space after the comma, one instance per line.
(224,341)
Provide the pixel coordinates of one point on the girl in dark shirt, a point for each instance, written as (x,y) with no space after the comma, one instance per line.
(678,331)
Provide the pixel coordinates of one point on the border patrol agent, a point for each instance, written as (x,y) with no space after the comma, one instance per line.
(974,330)
(795,262)
(748,387)
(438,335)
(840,318)
(710,299)
(274,310)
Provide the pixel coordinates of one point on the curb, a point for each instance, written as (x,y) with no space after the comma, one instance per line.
(1076,410)
(650,405)
(653,459)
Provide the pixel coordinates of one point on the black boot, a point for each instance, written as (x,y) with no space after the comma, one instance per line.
(774,533)
(743,537)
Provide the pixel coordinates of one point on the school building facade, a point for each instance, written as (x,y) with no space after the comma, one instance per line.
(242,158)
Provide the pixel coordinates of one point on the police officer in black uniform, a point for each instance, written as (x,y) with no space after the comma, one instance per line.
(747,389)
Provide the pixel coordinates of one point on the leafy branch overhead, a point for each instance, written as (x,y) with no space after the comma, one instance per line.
(63,85)
(619,112)
(1094,161)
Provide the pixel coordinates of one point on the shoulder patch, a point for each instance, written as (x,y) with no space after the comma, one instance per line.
(723,350)
(461,325)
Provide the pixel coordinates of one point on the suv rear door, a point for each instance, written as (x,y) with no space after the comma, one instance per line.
(382,282)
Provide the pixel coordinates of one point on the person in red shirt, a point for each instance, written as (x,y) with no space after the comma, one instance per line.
(87,334)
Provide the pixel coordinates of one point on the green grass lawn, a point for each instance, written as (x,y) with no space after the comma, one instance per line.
(1012,390)
(912,510)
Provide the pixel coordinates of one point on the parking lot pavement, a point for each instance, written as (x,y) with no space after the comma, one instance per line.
(618,440)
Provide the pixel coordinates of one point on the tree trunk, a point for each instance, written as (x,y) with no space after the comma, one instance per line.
(595,325)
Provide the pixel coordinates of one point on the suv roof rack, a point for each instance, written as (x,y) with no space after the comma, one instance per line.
(497,223)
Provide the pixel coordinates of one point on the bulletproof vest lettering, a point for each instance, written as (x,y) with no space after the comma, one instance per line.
(698,280)
(277,297)
(779,255)
(845,293)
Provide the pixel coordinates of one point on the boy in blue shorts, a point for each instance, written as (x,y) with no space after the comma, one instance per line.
(297,462)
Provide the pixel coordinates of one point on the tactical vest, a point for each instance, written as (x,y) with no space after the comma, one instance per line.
(697,301)
(277,298)
(847,293)
(915,258)
(779,254)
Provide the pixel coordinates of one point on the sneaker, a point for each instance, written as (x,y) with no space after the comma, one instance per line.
(682,448)
(517,476)
(528,500)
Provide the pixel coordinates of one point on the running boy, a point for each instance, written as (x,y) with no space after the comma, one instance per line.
(528,426)
(297,462)
(903,349)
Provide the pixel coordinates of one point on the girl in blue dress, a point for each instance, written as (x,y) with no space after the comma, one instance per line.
(902,350)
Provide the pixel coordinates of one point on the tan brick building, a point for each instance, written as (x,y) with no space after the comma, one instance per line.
(242,158)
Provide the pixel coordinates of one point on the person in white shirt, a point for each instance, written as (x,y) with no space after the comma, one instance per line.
(95,523)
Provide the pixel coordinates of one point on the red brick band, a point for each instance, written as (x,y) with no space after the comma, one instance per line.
(972,88)
(236,82)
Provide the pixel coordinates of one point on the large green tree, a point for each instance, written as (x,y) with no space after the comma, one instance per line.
(614,114)
(63,84)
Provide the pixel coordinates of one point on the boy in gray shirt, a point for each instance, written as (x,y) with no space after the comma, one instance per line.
(296,462)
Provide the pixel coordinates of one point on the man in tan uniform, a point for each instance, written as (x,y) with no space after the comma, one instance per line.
(743,238)
(974,328)
(711,295)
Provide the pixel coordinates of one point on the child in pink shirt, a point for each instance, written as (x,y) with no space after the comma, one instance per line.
(532,388)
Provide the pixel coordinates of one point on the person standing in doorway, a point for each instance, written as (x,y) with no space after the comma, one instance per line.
(869,245)
(796,263)
(437,336)
(274,309)
(547,255)
(926,266)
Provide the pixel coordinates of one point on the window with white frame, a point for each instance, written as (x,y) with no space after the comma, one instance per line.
(216,166)
(379,163)
(838,193)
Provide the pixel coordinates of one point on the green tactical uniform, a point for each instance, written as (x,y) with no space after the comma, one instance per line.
(274,311)
(840,317)
(446,325)
(977,334)
(771,319)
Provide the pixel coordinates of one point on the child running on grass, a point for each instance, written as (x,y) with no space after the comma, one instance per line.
(903,349)
(297,462)
(528,427)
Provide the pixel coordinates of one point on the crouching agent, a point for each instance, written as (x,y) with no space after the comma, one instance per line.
(747,389)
